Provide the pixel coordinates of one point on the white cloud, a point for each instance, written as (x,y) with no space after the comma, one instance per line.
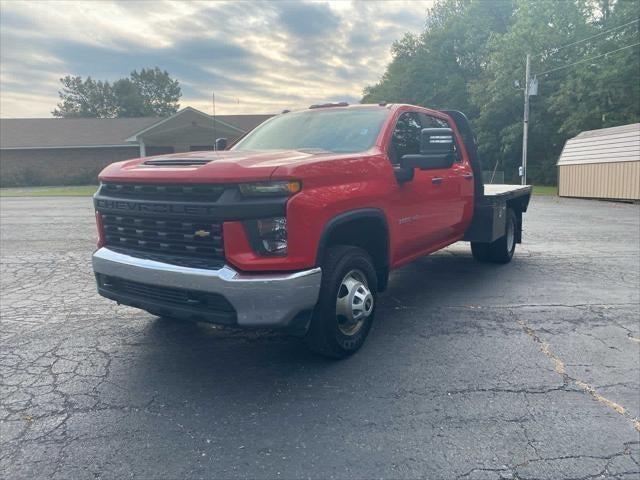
(270,56)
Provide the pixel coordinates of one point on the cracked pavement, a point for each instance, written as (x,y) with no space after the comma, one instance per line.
(525,371)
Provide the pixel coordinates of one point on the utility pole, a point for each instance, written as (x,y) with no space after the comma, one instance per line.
(525,127)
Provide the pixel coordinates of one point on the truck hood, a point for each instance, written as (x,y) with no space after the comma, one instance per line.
(208,167)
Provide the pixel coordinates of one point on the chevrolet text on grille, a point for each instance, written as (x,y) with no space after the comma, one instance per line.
(131,206)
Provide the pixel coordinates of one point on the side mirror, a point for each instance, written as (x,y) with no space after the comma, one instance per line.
(436,150)
(221,144)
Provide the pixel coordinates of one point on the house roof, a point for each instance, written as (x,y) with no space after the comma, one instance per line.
(606,145)
(25,133)
(186,118)
(69,132)
(245,123)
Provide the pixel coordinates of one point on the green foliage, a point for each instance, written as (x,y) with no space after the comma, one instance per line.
(159,92)
(472,51)
(150,92)
(85,98)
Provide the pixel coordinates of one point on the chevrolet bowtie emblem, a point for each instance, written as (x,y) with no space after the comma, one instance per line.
(202,233)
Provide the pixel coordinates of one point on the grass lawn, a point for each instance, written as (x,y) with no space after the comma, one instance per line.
(543,190)
(75,191)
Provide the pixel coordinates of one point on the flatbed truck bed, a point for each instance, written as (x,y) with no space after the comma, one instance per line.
(508,191)
(489,216)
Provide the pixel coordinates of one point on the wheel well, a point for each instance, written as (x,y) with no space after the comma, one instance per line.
(367,232)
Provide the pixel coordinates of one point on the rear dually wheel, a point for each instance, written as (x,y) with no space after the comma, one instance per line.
(502,249)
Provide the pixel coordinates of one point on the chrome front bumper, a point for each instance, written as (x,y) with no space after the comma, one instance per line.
(260,300)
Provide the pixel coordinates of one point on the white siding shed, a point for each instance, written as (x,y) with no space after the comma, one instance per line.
(601,163)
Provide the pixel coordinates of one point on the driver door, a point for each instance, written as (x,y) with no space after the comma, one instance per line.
(419,205)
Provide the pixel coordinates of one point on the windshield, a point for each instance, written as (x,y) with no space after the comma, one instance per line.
(334,130)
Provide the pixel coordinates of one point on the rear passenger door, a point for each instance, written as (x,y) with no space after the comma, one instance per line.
(457,185)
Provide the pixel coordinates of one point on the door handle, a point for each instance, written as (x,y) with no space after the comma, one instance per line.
(436,180)
(468,176)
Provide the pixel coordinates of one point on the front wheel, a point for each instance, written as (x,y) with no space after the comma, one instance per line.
(501,250)
(346,306)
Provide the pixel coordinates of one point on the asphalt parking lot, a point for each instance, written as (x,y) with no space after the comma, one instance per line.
(529,370)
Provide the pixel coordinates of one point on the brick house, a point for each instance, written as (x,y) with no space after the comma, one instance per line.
(67,151)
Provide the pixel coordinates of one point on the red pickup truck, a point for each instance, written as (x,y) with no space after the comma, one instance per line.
(297,225)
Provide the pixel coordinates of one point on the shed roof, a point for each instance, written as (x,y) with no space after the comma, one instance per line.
(606,145)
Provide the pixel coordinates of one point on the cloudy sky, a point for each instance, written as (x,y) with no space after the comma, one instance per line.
(259,57)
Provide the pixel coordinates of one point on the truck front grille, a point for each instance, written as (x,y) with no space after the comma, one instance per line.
(165,239)
(182,193)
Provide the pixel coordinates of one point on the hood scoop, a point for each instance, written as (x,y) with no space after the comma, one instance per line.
(177,162)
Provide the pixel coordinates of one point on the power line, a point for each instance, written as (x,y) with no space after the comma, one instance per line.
(587,59)
(588,38)
(523,167)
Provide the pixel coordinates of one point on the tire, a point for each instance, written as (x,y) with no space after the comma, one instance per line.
(346,306)
(480,251)
(501,250)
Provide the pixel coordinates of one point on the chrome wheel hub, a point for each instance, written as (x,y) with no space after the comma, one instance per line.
(354,303)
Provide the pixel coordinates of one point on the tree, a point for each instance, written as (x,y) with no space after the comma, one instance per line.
(437,68)
(471,51)
(160,93)
(85,98)
(128,100)
(604,92)
(150,92)
(537,28)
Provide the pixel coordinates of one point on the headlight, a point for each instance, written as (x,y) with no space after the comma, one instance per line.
(262,189)
(268,236)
